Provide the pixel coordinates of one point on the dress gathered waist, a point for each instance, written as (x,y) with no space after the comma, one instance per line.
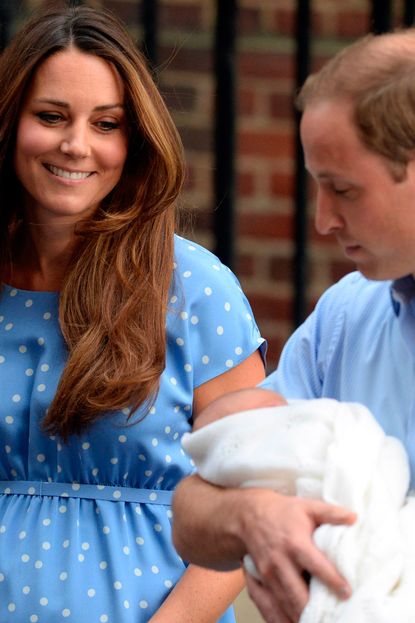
(91,492)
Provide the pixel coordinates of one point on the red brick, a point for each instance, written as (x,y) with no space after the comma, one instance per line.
(339,268)
(266,65)
(269,144)
(181,16)
(179,98)
(282,184)
(270,306)
(186,59)
(281,105)
(248,21)
(246,102)
(281,269)
(352,23)
(276,226)
(246,184)
(245,265)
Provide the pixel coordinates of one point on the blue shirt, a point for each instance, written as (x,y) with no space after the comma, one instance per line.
(358,346)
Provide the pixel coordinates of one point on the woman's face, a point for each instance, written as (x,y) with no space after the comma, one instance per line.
(71,142)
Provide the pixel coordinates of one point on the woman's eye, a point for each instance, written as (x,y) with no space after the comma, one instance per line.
(107,126)
(49,117)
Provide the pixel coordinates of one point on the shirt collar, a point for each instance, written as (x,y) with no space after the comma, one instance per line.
(402,293)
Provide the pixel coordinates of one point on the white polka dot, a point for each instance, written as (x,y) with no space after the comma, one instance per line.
(46,522)
(167,430)
(142,457)
(122,438)
(41,458)
(86,445)
(9,419)
(153,497)
(157,527)
(81,557)
(169,513)
(117,585)
(75,486)
(114,461)
(44,367)
(29,372)
(13,292)
(139,540)
(180,341)
(29,303)
(95,471)
(47,316)
(85,546)
(11,607)
(66,543)
(194,320)
(41,387)
(215,267)
(16,398)
(208,291)
(62,508)
(26,590)
(126,604)
(148,473)
(227,307)
(103,565)
(66,612)
(106,530)
(31,491)
(138,572)
(187,274)
(46,545)
(238,350)
(7,449)
(63,576)
(168,583)
(34,618)
(103,618)
(155,569)
(43,601)
(219,330)
(41,341)
(2,359)
(126,411)
(38,564)
(176,436)
(173,299)
(22,349)
(248,317)
(143,604)
(22,535)
(25,558)
(173,381)
(91,592)
(1,577)
(126,550)
(229,363)
(9,326)
(205,359)
(167,458)
(188,367)
(184,315)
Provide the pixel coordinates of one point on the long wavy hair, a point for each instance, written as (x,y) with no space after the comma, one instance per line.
(113,301)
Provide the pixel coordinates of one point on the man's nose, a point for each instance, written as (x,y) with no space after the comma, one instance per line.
(327,219)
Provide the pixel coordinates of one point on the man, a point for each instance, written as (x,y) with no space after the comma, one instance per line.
(358,134)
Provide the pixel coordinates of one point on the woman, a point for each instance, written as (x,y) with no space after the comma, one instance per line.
(113,334)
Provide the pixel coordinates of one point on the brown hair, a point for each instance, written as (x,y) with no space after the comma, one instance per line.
(113,302)
(377,75)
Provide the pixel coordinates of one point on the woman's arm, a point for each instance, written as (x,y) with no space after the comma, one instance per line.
(203,595)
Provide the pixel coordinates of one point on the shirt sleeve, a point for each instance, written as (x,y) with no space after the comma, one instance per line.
(307,354)
(213,323)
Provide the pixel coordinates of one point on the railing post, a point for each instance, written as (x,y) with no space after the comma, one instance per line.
(149,18)
(224,131)
(303,29)
(381,16)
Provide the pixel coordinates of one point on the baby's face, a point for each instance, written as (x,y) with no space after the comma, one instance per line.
(241,400)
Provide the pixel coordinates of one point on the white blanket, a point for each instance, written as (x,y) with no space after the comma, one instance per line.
(338,453)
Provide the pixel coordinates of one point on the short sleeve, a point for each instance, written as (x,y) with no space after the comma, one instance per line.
(211,324)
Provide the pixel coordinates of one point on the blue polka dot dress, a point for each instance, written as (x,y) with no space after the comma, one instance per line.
(85,527)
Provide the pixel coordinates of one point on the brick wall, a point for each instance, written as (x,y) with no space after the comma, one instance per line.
(265,131)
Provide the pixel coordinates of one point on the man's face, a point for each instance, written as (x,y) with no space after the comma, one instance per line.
(371,214)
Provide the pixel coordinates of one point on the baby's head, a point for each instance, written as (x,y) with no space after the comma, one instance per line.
(241,400)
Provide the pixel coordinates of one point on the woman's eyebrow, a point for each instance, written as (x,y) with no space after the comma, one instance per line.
(62,104)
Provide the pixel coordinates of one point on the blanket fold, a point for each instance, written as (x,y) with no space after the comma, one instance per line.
(336,452)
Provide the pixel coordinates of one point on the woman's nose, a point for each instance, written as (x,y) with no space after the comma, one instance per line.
(76,142)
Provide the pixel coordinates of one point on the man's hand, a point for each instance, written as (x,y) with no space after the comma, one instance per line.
(277,531)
